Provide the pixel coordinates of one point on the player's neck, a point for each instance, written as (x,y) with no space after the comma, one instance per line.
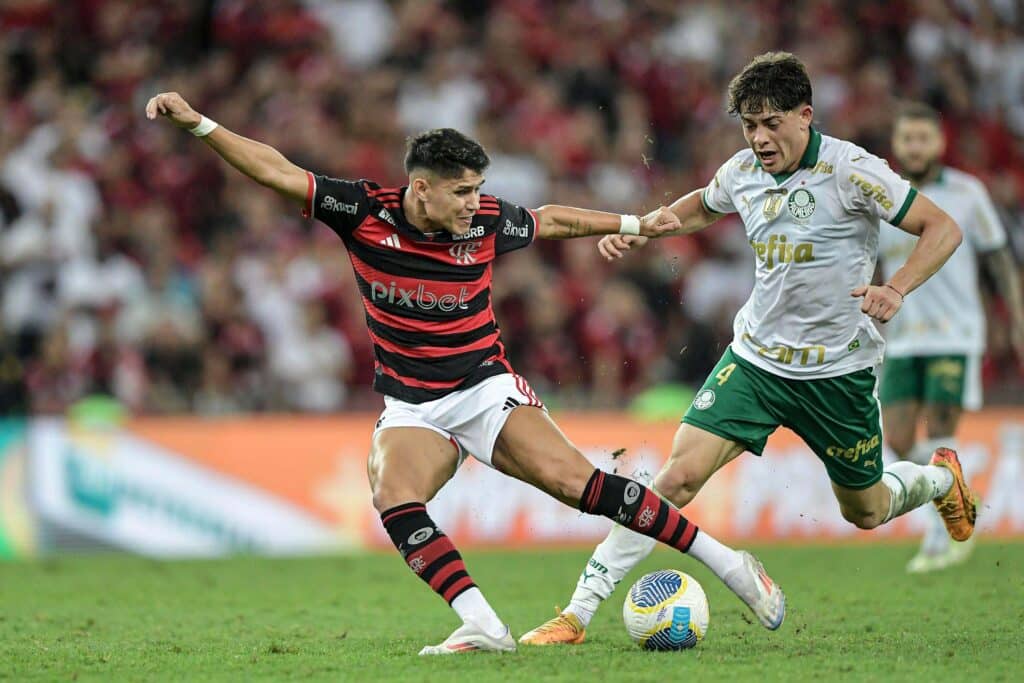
(930,175)
(416,215)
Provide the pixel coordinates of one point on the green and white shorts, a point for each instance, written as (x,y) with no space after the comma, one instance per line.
(953,379)
(838,417)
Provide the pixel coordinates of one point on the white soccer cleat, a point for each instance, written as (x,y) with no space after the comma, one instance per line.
(754,587)
(950,556)
(471,638)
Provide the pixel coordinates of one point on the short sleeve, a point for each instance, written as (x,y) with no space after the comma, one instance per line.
(986,230)
(716,196)
(516,227)
(867,185)
(339,204)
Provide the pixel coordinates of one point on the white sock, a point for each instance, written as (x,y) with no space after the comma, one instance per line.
(936,539)
(622,550)
(613,558)
(719,558)
(922,451)
(471,605)
(911,485)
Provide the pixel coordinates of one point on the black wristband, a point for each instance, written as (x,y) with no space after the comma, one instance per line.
(902,296)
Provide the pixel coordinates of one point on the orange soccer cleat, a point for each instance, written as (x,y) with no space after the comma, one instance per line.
(564,629)
(958,507)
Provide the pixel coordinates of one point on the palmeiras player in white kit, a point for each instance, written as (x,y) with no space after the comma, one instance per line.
(805,346)
(422,256)
(932,369)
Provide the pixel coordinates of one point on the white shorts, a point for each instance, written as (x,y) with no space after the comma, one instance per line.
(471,418)
(972,383)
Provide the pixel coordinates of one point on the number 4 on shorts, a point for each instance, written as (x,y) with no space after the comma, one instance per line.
(724,374)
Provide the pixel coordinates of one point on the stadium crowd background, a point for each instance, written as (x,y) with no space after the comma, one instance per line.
(134,263)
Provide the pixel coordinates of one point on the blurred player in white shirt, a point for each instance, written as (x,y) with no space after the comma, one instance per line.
(934,346)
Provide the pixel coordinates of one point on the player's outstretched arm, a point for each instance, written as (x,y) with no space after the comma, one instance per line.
(690,212)
(261,162)
(565,222)
(938,238)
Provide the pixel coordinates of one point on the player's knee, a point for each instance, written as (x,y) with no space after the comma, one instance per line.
(678,485)
(388,494)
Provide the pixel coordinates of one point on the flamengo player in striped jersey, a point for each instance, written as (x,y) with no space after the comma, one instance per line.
(933,348)
(804,347)
(422,256)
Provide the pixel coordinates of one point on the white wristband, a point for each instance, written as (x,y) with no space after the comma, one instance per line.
(203,128)
(629,225)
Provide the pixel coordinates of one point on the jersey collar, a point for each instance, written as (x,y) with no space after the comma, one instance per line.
(808,160)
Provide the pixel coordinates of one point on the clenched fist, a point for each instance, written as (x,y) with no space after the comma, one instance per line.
(659,222)
(880,303)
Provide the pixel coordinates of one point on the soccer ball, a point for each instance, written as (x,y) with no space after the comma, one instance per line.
(666,610)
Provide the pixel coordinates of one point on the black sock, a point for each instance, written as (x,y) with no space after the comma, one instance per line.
(427,551)
(637,507)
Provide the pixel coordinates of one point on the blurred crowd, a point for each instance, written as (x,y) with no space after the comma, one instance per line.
(134,263)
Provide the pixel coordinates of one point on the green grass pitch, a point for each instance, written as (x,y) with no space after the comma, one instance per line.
(853,614)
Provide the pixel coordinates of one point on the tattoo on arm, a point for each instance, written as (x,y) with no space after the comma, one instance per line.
(577,229)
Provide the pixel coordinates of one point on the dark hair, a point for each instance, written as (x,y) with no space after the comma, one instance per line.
(917,110)
(445,152)
(777,80)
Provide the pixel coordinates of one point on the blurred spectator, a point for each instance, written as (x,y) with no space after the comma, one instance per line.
(136,265)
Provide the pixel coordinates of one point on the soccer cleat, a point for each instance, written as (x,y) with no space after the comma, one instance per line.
(471,638)
(763,596)
(958,507)
(952,555)
(564,629)
(922,563)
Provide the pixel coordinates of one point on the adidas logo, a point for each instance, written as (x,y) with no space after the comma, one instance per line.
(392,241)
(510,403)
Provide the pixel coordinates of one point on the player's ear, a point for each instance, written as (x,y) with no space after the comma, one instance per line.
(806,114)
(420,187)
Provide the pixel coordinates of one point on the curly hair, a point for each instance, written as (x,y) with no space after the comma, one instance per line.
(776,80)
(445,152)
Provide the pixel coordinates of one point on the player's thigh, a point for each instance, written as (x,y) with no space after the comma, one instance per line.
(531,448)
(839,418)
(945,386)
(901,389)
(409,464)
(899,425)
(696,455)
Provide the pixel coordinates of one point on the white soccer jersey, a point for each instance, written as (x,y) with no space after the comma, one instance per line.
(814,233)
(945,315)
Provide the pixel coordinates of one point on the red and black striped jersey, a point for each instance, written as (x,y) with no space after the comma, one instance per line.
(427,296)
